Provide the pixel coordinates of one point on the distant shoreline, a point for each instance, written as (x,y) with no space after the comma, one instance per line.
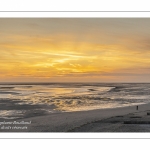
(47,83)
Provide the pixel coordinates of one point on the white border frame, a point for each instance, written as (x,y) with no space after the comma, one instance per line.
(81,14)
(75,14)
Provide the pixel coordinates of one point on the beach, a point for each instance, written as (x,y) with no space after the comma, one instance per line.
(76,107)
(103,120)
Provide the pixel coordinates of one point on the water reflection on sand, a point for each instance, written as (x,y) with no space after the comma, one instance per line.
(71,97)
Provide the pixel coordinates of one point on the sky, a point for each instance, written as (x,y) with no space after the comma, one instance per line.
(74,49)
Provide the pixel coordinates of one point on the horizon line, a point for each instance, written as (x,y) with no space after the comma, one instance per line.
(73,82)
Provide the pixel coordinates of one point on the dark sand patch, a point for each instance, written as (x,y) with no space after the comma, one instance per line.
(127,123)
(17,109)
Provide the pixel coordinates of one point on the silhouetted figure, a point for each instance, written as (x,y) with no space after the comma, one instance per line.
(137,107)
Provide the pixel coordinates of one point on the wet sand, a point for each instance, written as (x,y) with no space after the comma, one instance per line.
(132,122)
(123,119)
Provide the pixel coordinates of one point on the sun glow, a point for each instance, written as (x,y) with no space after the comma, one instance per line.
(63,51)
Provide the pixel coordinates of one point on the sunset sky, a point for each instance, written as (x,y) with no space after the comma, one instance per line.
(75,50)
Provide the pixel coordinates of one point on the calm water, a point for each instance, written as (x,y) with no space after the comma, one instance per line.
(75,96)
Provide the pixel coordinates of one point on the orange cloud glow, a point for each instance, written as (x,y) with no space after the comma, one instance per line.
(74,50)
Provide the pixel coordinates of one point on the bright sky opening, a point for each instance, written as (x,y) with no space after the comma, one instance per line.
(74,50)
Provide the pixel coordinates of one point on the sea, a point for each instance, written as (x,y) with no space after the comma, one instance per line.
(25,99)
